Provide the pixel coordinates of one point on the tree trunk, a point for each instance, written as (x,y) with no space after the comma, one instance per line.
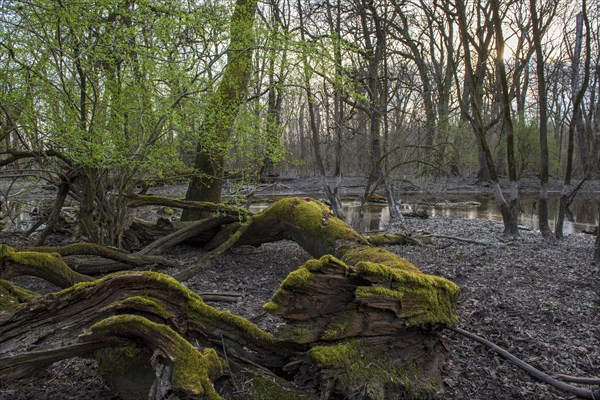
(567,194)
(474,86)
(597,246)
(330,187)
(508,126)
(222,111)
(361,322)
(536,26)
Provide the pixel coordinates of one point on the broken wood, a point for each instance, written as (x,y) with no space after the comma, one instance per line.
(360,321)
(137,200)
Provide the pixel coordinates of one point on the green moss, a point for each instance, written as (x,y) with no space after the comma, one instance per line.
(143,303)
(378,291)
(424,298)
(326,261)
(49,266)
(297,278)
(377,198)
(239,324)
(339,326)
(12,296)
(300,332)
(318,230)
(355,254)
(197,311)
(193,372)
(354,369)
(336,356)
(271,306)
(274,388)
(357,369)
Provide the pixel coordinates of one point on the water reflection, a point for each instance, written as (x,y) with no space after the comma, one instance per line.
(16,216)
(584,211)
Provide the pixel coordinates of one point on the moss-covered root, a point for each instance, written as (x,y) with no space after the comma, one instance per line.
(359,369)
(179,366)
(12,296)
(48,266)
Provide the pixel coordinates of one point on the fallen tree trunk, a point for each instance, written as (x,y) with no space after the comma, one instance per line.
(48,266)
(360,321)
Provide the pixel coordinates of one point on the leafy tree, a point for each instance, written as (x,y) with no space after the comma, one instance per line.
(103,87)
(222,109)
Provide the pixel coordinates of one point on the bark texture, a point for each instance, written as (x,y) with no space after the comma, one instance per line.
(360,322)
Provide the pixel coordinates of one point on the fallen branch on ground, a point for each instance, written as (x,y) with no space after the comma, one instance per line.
(93,249)
(531,370)
(458,239)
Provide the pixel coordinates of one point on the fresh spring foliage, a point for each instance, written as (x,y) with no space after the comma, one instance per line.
(110,84)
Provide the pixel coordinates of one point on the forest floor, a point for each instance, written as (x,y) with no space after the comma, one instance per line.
(540,301)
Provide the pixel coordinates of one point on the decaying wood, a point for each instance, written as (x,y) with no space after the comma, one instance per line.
(190,272)
(157,298)
(390,239)
(189,231)
(360,321)
(78,249)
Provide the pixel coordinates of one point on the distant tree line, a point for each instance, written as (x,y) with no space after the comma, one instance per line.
(99,96)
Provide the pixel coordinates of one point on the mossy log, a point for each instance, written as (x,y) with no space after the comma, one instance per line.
(48,266)
(93,249)
(357,302)
(361,322)
(137,200)
(141,308)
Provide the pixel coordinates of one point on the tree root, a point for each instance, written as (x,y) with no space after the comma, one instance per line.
(536,373)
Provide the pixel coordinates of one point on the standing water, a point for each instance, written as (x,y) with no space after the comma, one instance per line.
(584,214)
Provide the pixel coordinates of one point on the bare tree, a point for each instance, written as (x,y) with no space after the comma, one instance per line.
(568,193)
(476,55)
(536,28)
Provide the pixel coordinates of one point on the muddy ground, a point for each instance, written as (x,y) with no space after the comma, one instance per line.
(539,301)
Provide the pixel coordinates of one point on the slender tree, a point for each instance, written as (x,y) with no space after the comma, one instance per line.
(506,114)
(568,193)
(536,29)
